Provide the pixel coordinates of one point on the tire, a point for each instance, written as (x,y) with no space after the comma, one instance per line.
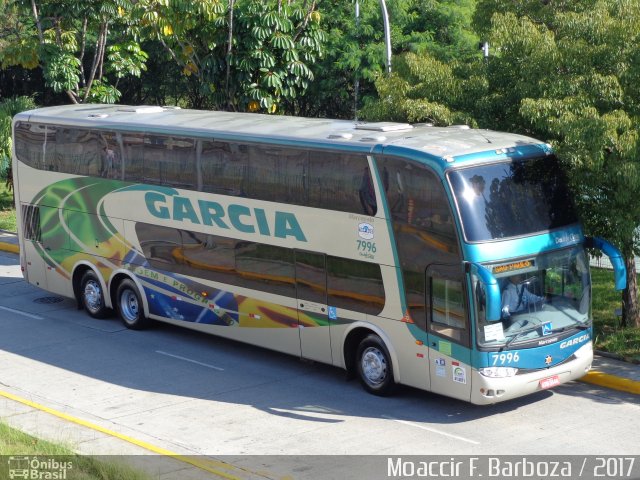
(92,295)
(374,367)
(130,306)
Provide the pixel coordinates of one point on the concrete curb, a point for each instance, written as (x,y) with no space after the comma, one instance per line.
(594,377)
(601,379)
(9,247)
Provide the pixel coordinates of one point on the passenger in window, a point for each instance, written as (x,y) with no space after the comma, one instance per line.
(368,194)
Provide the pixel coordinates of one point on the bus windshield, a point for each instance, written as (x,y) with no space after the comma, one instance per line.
(510,199)
(542,295)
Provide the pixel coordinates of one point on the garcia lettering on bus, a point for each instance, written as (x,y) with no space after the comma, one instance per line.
(240,217)
(575,341)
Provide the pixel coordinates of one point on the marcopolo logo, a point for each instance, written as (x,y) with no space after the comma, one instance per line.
(38,468)
(238,217)
(365,231)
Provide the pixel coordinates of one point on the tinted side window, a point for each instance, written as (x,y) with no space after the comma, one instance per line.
(277,174)
(339,181)
(170,161)
(35,145)
(133,156)
(245,264)
(265,267)
(77,152)
(223,168)
(28,139)
(161,246)
(355,285)
(423,225)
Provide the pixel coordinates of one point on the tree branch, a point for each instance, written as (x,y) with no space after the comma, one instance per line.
(306,20)
(100,44)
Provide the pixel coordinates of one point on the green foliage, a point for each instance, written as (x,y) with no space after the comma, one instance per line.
(8,108)
(356,50)
(568,72)
(245,54)
(423,89)
(67,39)
(126,59)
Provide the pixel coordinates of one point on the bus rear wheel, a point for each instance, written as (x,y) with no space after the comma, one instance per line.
(130,308)
(92,295)
(374,366)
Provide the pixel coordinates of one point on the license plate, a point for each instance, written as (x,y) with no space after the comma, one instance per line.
(549,382)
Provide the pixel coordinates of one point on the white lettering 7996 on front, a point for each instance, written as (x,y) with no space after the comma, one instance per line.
(505,358)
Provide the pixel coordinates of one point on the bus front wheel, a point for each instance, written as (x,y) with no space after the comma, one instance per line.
(374,366)
(130,308)
(92,295)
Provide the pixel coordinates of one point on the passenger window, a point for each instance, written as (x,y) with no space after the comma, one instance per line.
(133,148)
(223,168)
(265,267)
(355,285)
(343,182)
(277,174)
(77,152)
(170,161)
(35,145)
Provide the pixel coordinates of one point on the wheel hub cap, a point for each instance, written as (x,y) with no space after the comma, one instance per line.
(374,365)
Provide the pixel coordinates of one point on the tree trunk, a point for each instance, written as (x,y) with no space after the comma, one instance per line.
(630,307)
(229,51)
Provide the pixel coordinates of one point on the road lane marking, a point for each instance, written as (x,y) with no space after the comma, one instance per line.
(19,312)
(190,360)
(211,466)
(433,430)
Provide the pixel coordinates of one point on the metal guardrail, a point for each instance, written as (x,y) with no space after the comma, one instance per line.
(603,262)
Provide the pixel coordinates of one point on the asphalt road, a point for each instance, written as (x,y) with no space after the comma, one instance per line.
(197,394)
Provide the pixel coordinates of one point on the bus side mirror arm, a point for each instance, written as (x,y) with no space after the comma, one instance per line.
(616,258)
(493,311)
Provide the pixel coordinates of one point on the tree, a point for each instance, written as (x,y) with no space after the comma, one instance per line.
(355,49)
(8,109)
(245,54)
(569,72)
(424,89)
(68,40)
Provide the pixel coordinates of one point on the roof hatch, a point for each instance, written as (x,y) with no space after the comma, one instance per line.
(141,109)
(384,126)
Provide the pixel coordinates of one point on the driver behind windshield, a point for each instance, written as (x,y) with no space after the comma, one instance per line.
(517,298)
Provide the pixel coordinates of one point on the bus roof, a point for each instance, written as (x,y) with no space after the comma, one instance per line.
(442,146)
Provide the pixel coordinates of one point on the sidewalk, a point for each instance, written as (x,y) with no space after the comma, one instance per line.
(606,372)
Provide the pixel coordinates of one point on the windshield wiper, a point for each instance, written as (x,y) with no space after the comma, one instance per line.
(519,334)
(579,326)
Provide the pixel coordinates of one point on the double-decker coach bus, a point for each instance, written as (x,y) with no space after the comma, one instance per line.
(447,259)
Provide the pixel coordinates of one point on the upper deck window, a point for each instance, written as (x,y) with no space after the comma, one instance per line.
(511,199)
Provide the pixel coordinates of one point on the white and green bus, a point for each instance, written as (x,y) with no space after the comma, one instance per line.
(380,248)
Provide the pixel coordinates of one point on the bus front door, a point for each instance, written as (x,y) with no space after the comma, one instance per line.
(449,333)
(313,320)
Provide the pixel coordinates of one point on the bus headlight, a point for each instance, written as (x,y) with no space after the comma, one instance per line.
(498,372)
